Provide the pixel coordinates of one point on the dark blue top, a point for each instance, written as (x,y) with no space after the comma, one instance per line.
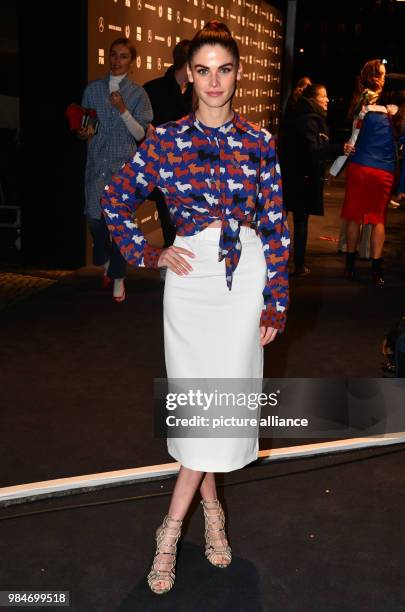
(375,146)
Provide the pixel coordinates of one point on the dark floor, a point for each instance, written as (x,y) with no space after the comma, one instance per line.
(315,535)
(77,371)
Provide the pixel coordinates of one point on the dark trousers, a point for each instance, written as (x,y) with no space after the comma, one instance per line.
(168,230)
(105,249)
(300,238)
(400,356)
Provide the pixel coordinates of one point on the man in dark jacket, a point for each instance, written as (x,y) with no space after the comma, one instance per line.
(171,97)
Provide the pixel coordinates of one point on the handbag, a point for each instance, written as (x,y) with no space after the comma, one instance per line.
(80,118)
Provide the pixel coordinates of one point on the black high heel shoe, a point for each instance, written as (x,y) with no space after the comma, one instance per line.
(378,280)
(377,273)
(350,271)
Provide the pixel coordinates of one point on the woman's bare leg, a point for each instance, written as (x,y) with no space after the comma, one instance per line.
(352,236)
(377,244)
(208,492)
(183,493)
(208,488)
(377,240)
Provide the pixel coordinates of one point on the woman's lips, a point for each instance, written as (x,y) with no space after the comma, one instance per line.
(214,93)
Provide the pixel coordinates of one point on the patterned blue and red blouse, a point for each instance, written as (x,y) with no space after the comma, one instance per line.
(229,173)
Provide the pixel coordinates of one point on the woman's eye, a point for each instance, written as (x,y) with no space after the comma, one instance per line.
(225,70)
(202,71)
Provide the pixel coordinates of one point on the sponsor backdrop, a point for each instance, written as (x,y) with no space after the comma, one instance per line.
(156,26)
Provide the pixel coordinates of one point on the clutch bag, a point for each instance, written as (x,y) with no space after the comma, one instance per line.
(80,117)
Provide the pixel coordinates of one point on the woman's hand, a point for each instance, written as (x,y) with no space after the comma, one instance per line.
(85,133)
(172,258)
(392,109)
(150,130)
(117,101)
(267,335)
(348,148)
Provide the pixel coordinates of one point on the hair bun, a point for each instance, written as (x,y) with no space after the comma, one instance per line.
(214,33)
(217,26)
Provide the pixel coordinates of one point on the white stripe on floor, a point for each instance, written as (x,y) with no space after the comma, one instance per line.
(150,472)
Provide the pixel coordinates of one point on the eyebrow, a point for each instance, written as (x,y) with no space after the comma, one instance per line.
(223,65)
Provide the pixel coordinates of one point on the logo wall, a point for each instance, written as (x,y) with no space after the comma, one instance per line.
(156,26)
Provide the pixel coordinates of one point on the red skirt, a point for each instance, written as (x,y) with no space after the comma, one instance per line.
(368,191)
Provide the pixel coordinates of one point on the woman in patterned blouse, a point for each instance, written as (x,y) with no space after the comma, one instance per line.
(226,290)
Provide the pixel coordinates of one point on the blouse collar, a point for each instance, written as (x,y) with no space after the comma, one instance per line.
(214,131)
(237,122)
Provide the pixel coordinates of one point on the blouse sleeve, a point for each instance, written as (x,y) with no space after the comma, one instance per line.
(123,195)
(401,185)
(273,231)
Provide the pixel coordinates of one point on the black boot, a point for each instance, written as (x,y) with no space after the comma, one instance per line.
(377,272)
(350,271)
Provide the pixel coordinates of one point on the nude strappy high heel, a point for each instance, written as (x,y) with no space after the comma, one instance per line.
(217,549)
(161,576)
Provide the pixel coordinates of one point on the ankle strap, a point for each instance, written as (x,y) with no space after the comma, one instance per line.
(213,501)
(169,518)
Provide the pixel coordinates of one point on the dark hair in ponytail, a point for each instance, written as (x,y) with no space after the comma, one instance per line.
(214,33)
(311,91)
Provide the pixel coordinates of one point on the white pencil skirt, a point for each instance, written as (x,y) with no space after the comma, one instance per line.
(211,332)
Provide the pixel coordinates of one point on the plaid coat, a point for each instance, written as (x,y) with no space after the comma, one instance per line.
(113,144)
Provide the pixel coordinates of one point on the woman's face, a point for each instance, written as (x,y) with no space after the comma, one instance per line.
(120,60)
(214,73)
(322,98)
(382,75)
